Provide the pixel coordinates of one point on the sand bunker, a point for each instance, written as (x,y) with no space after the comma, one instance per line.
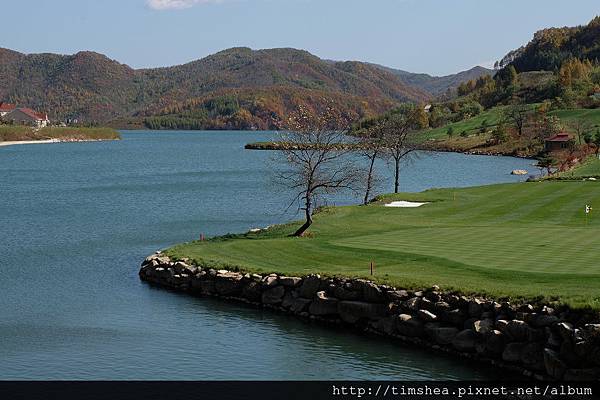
(404,204)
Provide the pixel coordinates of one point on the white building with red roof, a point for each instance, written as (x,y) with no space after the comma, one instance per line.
(27,116)
(5,108)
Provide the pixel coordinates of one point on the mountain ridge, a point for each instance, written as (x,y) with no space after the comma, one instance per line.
(93,87)
(438,85)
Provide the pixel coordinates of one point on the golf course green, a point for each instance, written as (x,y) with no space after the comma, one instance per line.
(523,241)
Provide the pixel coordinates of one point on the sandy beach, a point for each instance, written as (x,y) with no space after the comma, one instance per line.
(9,143)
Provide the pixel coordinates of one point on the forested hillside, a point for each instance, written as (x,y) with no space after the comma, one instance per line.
(91,87)
(551,47)
(440,85)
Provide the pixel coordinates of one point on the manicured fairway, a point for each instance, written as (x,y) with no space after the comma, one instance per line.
(526,240)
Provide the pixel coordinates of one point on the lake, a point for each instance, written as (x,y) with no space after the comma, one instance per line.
(77,219)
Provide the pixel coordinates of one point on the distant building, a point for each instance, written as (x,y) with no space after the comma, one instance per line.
(427,108)
(26,116)
(5,108)
(558,142)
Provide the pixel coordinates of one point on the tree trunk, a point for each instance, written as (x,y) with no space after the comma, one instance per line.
(308,214)
(397,176)
(369,180)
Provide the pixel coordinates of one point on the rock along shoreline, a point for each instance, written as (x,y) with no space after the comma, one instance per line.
(538,342)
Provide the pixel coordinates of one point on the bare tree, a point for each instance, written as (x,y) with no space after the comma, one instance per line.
(318,164)
(371,147)
(517,114)
(399,136)
(580,126)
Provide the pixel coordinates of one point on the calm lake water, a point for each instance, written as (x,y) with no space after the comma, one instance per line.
(77,219)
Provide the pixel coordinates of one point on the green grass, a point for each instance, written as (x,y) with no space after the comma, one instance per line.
(94,133)
(16,133)
(521,241)
(494,115)
(471,125)
(588,168)
(592,116)
(10,133)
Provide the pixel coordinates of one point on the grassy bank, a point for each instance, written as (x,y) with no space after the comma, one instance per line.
(588,168)
(473,135)
(17,133)
(469,136)
(525,240)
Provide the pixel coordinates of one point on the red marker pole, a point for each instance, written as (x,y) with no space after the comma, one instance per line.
(371,267)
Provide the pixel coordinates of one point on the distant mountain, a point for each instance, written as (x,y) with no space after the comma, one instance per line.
(438,85)
(259,85)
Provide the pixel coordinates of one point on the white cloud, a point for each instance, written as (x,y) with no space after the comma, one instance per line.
(176,4)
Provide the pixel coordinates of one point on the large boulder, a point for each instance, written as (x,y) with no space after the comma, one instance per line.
(183,268)
(252,291)
(427,304)
(555,367)
(228,284)
(370,291)
(455,317)
(592,330)
(288,299)
(518,330)
(181,280)
(475,308)
(413,304)
(346,294)
(512,352)
(269,281)
(501,325)
(465,341)
(492,344)
(571,354)
(289,281)
(385,325)
(566,331)
(441,307)
(442,335)
(323,305)
(532,355)
(164,274)
(407,325)
(541,320)
(310,286)
(353,311)
(483,326)
(554,339)
(162,259)
(397,295)
(588,350)
(207,287)
(273,295)
(151,259)
(426,316)
(299,305)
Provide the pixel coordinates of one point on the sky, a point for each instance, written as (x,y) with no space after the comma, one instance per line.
(438,37)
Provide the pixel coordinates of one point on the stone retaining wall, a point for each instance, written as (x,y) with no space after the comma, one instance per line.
(539,342)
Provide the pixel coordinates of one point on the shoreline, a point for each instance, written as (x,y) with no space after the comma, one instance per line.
(50,141)
(17,142)
(276,146)
(538,342)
